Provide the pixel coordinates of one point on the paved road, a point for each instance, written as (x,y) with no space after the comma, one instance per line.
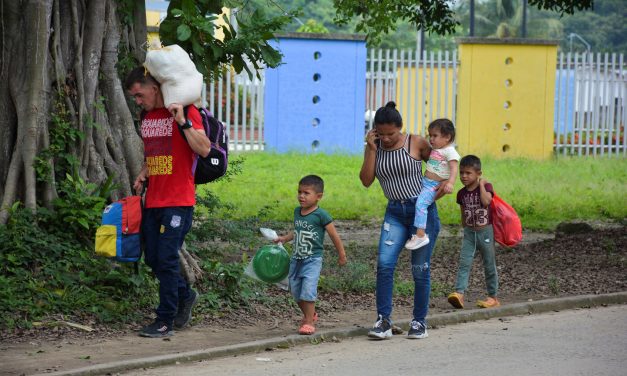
(577,342)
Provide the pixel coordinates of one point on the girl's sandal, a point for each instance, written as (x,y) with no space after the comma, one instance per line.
(306,329)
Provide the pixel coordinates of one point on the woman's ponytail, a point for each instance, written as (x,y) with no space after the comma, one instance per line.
(388,115)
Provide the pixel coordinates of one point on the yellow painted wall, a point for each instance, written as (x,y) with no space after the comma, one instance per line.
(152,22)
(153,19)
(220,22)
(412,96)
(505,98)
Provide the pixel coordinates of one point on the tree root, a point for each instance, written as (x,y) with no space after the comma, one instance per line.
(188,264)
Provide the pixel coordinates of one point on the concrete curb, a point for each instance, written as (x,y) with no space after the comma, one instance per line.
(456,317)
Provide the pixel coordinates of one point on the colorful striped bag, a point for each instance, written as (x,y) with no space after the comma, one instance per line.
(119,235)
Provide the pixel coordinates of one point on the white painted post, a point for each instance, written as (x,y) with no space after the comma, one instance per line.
(446,93)
(424,93)
(229,122)
(416,92)
(455,81)
(439,87)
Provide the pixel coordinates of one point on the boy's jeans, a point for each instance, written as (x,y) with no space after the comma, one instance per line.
(164,230)
(303,278)
(483,240)
(396,229)
(426,198)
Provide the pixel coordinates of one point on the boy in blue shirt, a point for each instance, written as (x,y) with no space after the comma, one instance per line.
(310,224)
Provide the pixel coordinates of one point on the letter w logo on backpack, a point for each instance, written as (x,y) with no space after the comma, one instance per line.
(213,166)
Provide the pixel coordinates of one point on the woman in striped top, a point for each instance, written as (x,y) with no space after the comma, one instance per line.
(395,159)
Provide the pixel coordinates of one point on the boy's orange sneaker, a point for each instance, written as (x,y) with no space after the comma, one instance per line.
(456,299)
(490,302)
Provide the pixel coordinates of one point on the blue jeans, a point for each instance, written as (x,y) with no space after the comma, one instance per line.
(426,198)
(483,240)
(164,230)
(396,229)
(303,277)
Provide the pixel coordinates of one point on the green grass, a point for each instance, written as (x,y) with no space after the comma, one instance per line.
(544,193)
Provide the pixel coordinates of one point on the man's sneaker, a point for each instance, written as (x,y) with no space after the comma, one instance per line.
(417,330)
(415,242)
(184,314)
(156,329)
(490,302)
(382,329)
(456,299)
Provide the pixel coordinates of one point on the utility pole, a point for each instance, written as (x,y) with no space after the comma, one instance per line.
(524,19)
(420,42)
(472,18)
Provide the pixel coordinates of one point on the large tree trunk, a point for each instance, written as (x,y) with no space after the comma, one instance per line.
(66,52)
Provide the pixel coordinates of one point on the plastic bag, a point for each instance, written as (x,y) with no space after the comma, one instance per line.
(271,262)
(268,233)
(172,67)
(505,221)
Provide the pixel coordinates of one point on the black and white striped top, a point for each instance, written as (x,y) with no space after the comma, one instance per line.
(399,174)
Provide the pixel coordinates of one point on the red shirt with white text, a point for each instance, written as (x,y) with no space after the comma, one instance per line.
(169,159)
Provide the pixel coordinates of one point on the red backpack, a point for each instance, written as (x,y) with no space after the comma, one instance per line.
(507,226)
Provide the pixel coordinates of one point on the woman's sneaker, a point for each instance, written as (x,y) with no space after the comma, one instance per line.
(417,330)
(415,242)
(382,329)
(184,314)
(156,330)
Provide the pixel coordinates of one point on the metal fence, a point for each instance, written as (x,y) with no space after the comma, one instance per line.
(590,97)
(237,101)
(423,87)
(590,104)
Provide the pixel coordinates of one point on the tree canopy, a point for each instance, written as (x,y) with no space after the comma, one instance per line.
(191,24)
(433,16)
(66,119)
(604,29)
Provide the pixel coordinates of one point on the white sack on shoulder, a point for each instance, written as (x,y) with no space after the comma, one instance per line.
(185,91)
(169,63)
(177,74)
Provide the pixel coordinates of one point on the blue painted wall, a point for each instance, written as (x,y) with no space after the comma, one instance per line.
(315,101)
(564,103)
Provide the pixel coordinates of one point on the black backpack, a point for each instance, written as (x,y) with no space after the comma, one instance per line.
(214,165)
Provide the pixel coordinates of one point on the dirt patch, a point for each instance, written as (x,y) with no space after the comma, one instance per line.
(541,267)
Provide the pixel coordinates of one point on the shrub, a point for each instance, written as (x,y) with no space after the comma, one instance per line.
(45,272)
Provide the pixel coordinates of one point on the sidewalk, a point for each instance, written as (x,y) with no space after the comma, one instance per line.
(132,352)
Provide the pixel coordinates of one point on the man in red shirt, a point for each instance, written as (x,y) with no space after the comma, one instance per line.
(170,197)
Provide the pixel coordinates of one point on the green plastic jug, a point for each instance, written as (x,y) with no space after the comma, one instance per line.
(271,263)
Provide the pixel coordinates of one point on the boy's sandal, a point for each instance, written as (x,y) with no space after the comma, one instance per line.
(306,329)
(456,299)
(315,319)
